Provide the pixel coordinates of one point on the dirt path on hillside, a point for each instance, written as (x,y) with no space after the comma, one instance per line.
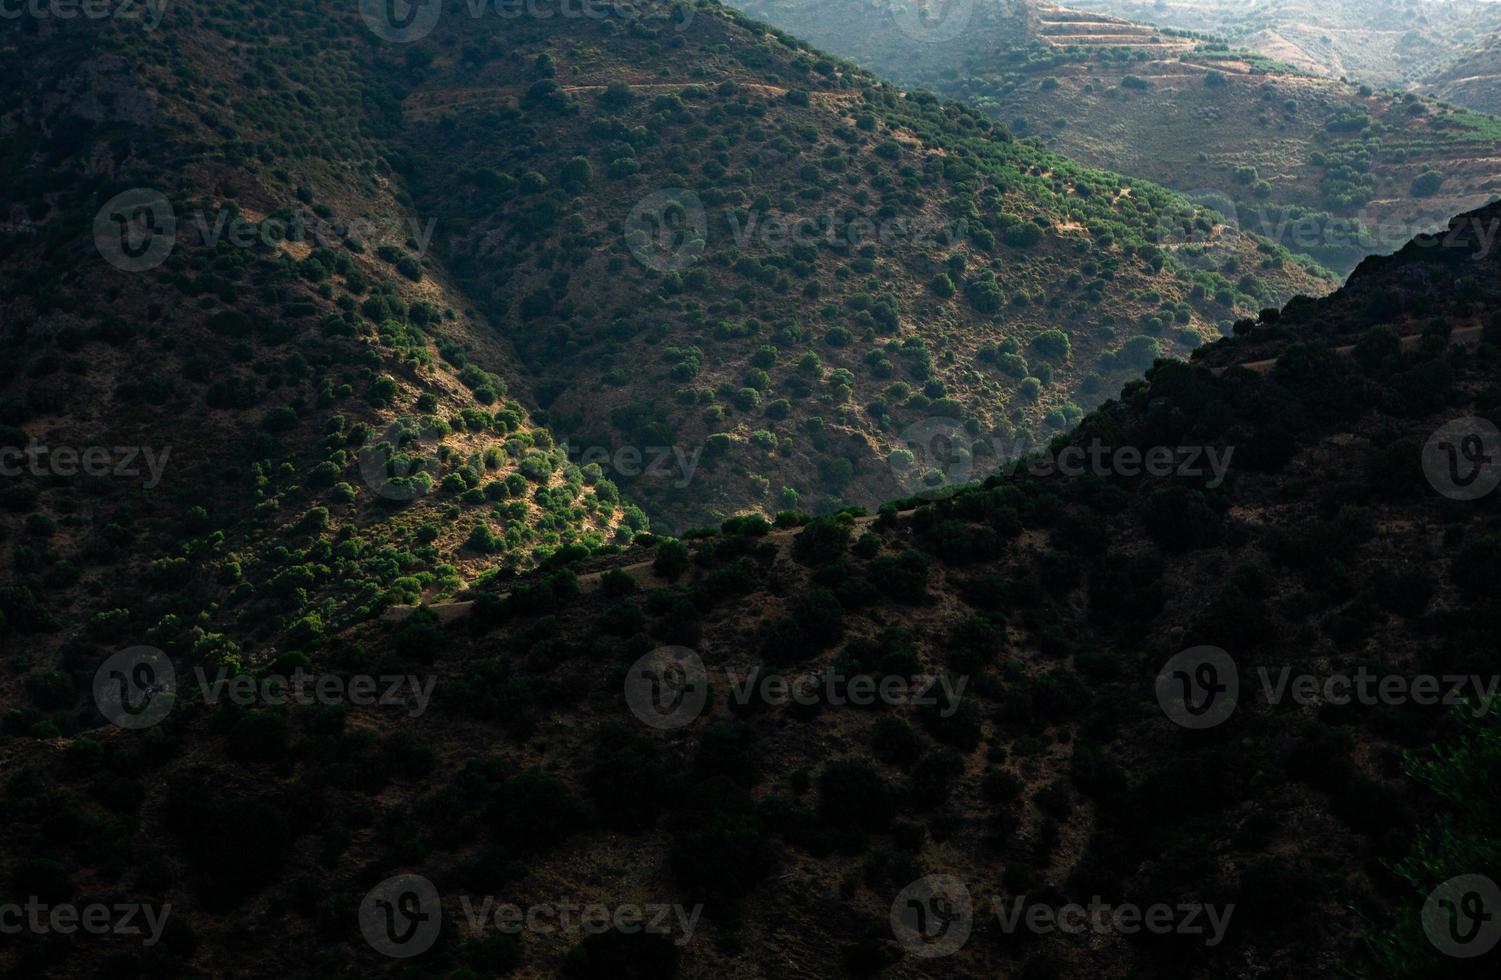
(1468,78)
(1410,341)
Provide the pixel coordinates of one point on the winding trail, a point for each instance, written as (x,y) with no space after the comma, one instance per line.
(1468,336)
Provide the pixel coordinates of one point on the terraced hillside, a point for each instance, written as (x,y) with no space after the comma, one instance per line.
(1061,27)
(1378,42)
(626,750)
(1324,167)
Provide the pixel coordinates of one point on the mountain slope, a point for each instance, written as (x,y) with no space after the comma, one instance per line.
(1056,775)
(1473,80)
(1318,165)
(256,247)
(864,254)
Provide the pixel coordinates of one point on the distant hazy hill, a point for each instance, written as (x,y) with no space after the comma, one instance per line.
(1321,165)
(1379,42)
(1474,80)
(1324,167)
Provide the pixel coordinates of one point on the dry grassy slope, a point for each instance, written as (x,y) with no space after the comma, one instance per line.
(1473,80)
(1290,813)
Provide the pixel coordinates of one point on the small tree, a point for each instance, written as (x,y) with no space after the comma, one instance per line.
(1052,345)
(1427,183)
(672,559)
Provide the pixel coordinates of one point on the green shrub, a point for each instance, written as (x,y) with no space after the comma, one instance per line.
(903,577)
(627,780)
(1180,519)
(821,542)
(1427,183)
(1053,345)
(671,560)
(894,741)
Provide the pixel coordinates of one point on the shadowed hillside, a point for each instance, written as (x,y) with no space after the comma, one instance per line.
(616,740)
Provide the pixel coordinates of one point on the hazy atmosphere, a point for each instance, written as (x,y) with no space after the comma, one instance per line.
(788,488)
